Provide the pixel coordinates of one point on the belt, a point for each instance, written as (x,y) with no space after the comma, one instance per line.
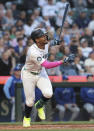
(34,73)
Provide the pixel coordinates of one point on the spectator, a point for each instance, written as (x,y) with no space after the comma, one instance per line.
(60,5)
(3,21)
(2,8)
(6,64)
(91,23)
(77,66)
(12,32)
(28,4)
(15,11)
(90,3)
(28,27)
(37,16)
(6,38)
(9,19)
(80,4)
(19,24)
(65,99)
(87,95)
(23,56)
(75,31)
(2,47)
(84,48)
(20,47)
(50,10)
(74,44)
(9,88)
(89,63)
(53,71)
(82,20)
(42,3)
(22,16)
(88,35)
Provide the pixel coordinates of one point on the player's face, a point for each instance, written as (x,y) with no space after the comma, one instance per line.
(42,40)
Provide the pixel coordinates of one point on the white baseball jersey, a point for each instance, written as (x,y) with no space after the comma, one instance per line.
(35,57)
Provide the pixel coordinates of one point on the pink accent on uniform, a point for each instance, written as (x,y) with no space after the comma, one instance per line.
(49,65)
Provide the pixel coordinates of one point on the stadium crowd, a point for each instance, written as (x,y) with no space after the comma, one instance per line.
(77,37)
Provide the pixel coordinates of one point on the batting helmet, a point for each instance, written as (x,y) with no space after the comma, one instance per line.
(37,33)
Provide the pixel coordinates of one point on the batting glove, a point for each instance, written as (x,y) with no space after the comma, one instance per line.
(69,59)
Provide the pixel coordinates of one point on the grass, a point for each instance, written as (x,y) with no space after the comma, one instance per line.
(43,123)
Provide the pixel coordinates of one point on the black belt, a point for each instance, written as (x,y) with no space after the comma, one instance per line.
(34,73)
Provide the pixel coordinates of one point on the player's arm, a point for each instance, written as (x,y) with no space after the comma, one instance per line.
(49,65)
(7,87)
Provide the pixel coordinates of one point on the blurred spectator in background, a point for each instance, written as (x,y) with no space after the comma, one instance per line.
(9,88)
(84,48)
(91,23)
(30,4)
(22,16)
(77,65)
(28,27)
(68,70)
(80,4)
(6,63)
(90,3)
(88,35)
(87,95)
(19,24)
(50,10)
(3,21)
(65,99)
(74,44)
(53,71)
(2,47)
(12,32)
(2,8)
(23,56)
(89,63)
(9,19)
(82,20)
(74,30)
(6,38)
(19,48)
(15,11)
(60,5)
(42,3)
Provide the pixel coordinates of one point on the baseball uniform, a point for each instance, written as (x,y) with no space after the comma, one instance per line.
(33,74)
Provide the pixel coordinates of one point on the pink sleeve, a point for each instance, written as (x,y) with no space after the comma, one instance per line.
(49,65)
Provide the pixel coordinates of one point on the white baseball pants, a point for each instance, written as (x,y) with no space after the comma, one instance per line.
(30,82)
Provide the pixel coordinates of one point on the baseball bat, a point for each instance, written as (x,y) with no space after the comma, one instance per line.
(64,18)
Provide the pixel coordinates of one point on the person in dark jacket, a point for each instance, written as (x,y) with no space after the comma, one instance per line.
(65,99)
(6,63)
(87,95)
(9,89)
(82,20)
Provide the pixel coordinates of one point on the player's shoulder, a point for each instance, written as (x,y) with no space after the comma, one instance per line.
(33,49)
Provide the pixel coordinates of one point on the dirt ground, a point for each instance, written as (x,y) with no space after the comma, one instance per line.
(66,126)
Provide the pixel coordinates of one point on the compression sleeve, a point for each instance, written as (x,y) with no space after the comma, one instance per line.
(49,65)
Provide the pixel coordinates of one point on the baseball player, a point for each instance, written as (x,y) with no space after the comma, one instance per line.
(34,74)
